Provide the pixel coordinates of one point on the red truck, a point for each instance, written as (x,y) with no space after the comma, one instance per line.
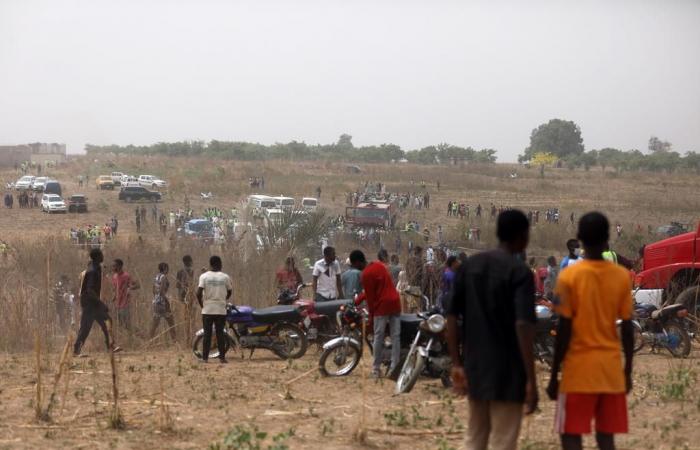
(371,214)
(671,271)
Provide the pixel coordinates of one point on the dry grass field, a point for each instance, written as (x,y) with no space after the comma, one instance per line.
(168,400)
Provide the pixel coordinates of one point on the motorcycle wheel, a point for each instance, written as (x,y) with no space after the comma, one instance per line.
(198,346)
(683,348)
(638,336)
(288,341)
(411,370)
(339,360)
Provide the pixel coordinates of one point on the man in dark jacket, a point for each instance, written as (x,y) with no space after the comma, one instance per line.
(93,310)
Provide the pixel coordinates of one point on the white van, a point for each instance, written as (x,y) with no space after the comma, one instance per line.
(261,202)
(274,216)
(117,178)
(284,202)
(309,204)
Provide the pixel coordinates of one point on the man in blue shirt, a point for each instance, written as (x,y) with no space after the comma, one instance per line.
(574,255)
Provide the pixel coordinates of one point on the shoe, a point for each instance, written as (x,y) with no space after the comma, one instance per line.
(80,355)
(223,361)
(116,349)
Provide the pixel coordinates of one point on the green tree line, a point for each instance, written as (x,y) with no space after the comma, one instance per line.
(561,141)
(342,150)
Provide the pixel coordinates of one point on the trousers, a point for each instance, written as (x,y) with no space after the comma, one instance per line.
(494,425)
(93,313)
(380,323)
(219,322)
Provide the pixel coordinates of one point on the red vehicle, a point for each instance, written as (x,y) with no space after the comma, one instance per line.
(371,214)
(670,267)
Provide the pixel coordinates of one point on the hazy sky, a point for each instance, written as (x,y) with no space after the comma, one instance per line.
(414,73)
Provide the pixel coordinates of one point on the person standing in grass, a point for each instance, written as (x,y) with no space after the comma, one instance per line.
(185,280)
(215,288)
(161,302)
(327,284)
(93,309)
(590,298)
(122,285)
(494,294)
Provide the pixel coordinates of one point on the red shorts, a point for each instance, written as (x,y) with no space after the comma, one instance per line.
(575,411)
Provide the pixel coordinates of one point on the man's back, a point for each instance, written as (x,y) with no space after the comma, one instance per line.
(215,285)
(380,292)
(492,291)
(350,280)
(594,294)
(91,285)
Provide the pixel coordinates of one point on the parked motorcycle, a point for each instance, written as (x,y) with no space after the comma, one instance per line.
(274,328)
(316,317)
(545,334)
(661,328)
(427,352)
(342,354)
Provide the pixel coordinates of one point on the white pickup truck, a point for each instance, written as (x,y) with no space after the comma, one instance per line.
(151,181)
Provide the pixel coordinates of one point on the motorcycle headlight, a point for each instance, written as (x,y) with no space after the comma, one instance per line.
(436,323)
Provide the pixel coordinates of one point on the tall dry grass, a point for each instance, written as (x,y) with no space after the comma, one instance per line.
(25,292)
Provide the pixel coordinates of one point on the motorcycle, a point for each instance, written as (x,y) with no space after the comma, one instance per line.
(428,352)
(545,334)
(274,328)
(342,354)
(661,328)
(316,322)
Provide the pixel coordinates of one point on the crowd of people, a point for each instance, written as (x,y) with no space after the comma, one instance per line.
(493,293)
(25,199)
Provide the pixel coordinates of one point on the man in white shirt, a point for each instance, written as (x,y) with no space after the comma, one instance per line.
(430,255)
(326,277)
(215,288)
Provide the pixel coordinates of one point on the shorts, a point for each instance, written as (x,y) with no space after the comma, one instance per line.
(575,411)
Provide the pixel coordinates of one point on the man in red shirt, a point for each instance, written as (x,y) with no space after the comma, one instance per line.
(289,277)
(384,308)
(122,284)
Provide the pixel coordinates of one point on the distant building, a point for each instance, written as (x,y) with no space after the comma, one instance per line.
(38,153)
(43,153)
(14,154)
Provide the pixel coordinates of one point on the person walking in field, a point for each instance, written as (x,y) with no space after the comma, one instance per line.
(93,309)
(494,294)
(122,285)
(384,308)
(590,298)
(214,289)
(161,302)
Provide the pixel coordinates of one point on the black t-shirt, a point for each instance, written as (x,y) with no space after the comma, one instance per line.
(492,290)
(92,285)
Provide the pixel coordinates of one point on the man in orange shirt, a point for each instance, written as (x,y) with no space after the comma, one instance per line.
(590,297)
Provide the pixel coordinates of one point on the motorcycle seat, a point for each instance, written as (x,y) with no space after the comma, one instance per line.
(667,311)
(410,320)
(274,314)
(330,307)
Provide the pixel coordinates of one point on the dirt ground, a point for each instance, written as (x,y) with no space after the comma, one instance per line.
(205,403)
